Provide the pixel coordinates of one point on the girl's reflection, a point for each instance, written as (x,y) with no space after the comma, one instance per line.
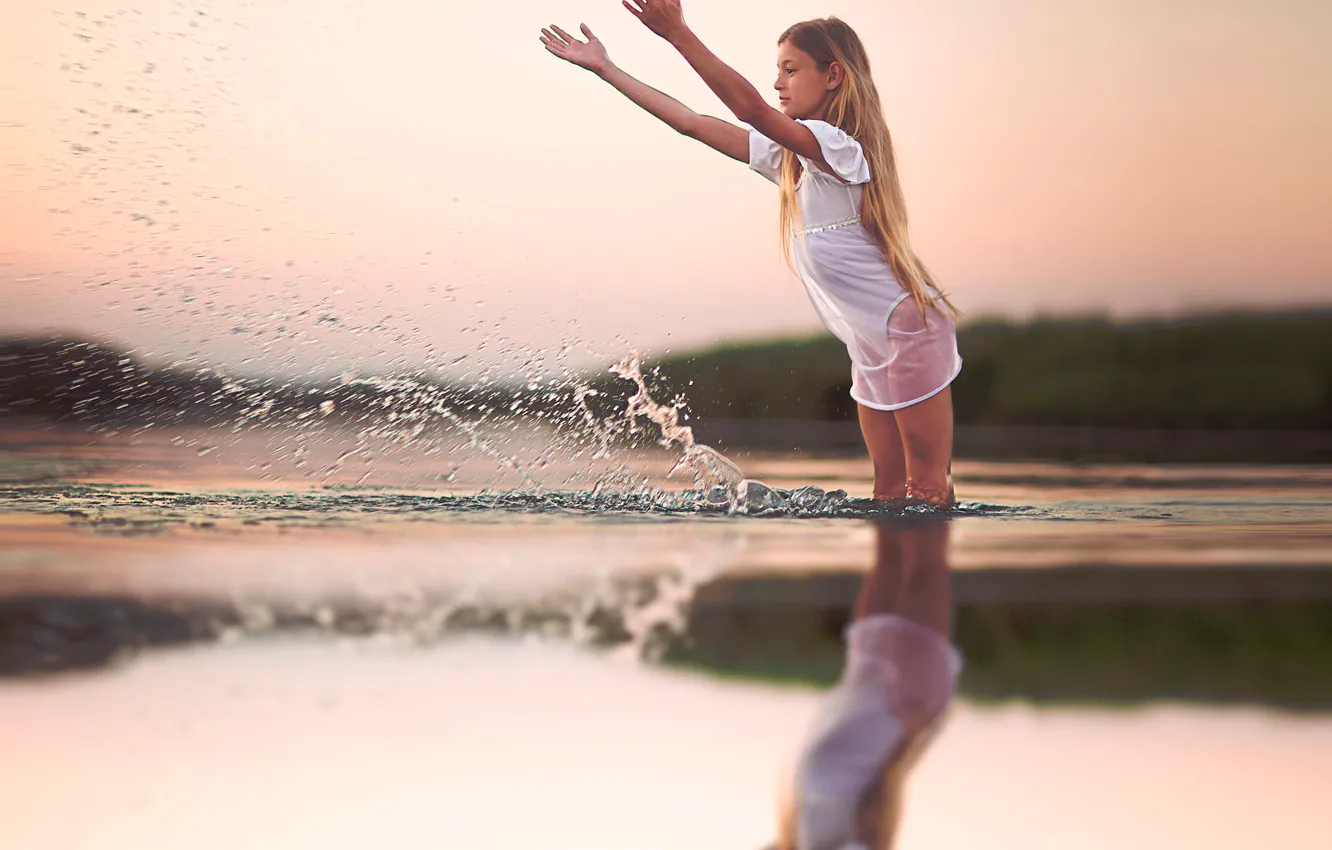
(898,682)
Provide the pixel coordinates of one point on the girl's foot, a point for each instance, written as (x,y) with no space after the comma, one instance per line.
(896,502)
(921,494)
(892,494)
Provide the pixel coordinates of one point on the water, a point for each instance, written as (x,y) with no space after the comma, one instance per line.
(314,744)
(212,639)
(357,611)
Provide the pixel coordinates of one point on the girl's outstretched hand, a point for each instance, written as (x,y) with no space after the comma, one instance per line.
(590,54)
(664,17)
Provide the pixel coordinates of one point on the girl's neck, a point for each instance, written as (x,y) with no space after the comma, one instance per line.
(822,114)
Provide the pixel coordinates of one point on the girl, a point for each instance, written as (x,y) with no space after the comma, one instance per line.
(892,699)
(843,223)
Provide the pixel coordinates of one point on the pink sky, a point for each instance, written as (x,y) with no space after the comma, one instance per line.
(427,174)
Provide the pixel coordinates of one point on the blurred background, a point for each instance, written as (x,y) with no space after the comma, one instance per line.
(308,320)
(312,188)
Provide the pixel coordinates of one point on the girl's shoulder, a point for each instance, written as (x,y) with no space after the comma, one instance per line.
(841,151)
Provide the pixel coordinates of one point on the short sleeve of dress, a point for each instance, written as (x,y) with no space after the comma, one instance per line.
(765,155)
(842,153)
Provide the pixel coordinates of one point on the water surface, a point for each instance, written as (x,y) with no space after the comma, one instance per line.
(210,640)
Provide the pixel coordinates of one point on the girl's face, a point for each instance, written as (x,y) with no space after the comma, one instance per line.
(802,89)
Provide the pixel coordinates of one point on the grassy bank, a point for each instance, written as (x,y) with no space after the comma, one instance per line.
(1222,372)
(1261,635)
(1119,636)
(1233,387)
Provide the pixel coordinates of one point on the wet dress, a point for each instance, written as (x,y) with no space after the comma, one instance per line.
(897,358)
(898,675)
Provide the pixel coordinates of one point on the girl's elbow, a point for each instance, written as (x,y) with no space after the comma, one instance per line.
(748,114)
(750,110)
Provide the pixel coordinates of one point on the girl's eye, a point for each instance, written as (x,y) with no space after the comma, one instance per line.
(790,71)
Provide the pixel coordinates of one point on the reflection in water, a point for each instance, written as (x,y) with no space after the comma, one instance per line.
(898,682)
(324,729)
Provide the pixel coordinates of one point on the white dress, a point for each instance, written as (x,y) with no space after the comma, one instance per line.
(897,672)
(896,358)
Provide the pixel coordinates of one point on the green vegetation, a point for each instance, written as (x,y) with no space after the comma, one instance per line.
(1275,653)
(1202,389)
(1223,372)
(1253,651)
(1228,371)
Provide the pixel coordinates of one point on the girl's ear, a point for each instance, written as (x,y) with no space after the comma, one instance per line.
(836,75)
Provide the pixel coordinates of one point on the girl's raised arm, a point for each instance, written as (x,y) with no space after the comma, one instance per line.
(591,54)
(666,19)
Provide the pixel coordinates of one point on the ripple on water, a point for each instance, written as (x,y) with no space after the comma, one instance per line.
(137,511)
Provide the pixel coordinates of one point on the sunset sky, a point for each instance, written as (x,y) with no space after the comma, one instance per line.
(309,187)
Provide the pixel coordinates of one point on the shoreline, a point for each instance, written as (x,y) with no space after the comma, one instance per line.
(1071,444)
(1080,445)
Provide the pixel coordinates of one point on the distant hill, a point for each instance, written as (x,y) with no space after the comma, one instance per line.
(86,382)
(1261,372)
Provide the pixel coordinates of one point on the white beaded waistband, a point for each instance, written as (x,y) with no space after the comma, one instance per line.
(832,225)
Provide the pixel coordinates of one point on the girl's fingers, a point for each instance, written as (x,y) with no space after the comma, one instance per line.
(564,35)
(587,32)
(637,13)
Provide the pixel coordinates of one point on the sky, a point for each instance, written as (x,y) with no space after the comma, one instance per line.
(322,187)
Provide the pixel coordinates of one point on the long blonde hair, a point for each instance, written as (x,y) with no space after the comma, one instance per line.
(855,108)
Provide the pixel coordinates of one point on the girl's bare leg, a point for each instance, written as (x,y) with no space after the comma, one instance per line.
(884,442)
(929,597)
(910,575)
(927,442)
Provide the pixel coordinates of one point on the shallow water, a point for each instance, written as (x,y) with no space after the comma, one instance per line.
(496,745)
(210,644)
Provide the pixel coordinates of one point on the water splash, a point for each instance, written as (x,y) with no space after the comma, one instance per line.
(566,445)
(635,618)
(130,511)
(710,467)
(537,436)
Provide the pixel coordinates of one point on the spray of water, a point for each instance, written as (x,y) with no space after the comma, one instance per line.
(556,440)
(709,466)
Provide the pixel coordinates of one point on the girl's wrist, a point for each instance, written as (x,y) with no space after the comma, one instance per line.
(680,38)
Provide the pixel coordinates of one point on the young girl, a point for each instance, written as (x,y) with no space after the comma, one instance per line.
(888,706)
(843,222)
